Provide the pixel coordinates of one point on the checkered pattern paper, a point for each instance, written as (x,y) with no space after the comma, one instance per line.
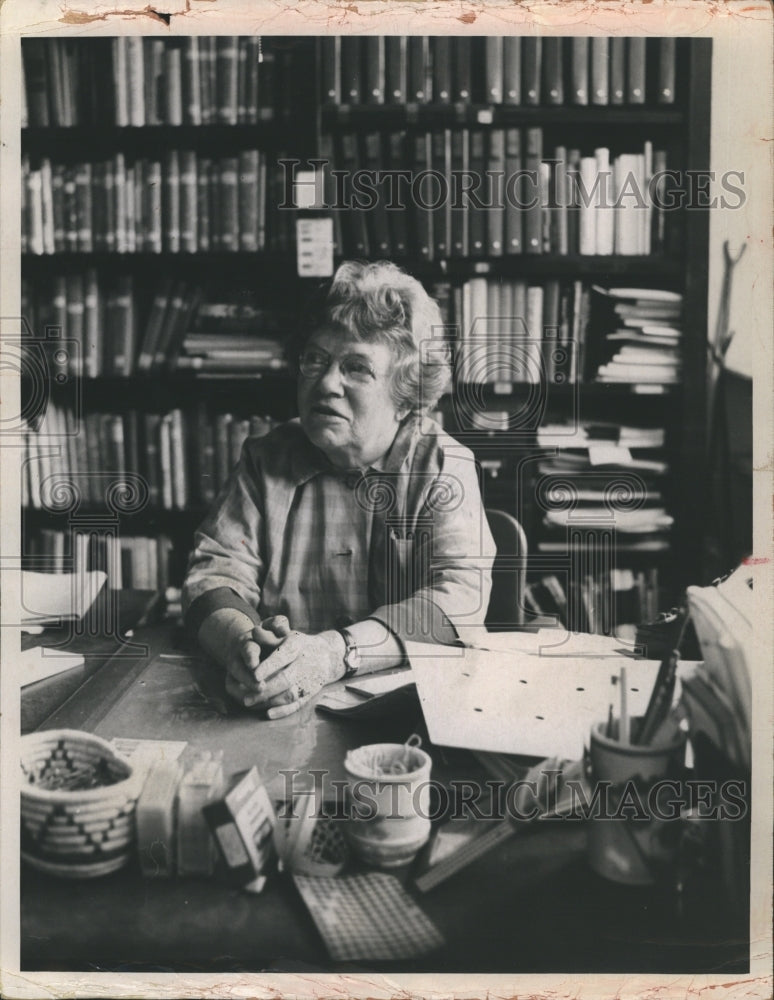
(367,917)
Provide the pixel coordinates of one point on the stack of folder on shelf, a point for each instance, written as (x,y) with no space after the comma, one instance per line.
(644,330)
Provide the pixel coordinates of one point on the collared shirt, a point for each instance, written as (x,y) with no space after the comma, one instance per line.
(406,541)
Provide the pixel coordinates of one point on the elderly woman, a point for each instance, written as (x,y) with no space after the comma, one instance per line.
(360,524)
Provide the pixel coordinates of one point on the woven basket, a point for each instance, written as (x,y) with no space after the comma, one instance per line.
(78,798)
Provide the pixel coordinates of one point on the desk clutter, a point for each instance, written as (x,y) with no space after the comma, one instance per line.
(90,807)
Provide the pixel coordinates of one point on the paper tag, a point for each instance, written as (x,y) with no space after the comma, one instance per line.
(314,244)
(609,454)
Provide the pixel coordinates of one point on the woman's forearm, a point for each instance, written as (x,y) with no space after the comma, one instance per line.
(219,632)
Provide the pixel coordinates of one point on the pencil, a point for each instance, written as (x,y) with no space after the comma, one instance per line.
(623,734)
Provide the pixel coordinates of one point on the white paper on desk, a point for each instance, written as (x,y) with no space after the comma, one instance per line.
(50,597)
(38,663)
(550,642)
(511,702)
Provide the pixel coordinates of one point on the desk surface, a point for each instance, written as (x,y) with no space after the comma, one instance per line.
(531,905)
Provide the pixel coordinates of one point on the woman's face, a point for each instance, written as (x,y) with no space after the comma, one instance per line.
(344,398)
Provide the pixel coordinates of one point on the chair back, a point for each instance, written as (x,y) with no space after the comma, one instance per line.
(509,573)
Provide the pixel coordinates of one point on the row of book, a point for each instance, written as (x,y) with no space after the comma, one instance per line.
(184,203)
(136,81)
(597,603)
(106,329)
(512,331)
(183,457)
(479,193)
(131,561)
(513,70)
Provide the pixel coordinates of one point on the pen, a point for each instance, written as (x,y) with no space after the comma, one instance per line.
(609,730)
(623,734)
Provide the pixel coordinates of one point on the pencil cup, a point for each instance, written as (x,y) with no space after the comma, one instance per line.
(634,825)
(389,798)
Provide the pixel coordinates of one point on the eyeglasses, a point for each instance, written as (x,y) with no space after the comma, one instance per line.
(354,369)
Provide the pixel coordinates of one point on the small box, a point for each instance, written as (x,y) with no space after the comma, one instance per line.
(156,819)
(201,783)
(243,824)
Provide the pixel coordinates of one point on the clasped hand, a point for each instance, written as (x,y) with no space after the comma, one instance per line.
(278,670)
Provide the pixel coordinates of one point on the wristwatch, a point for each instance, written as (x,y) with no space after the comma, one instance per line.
(352,658)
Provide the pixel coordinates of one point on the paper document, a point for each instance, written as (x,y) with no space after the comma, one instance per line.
(51,597)
(37,663)
(521,703)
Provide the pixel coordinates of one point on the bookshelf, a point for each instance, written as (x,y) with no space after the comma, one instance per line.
(551,109)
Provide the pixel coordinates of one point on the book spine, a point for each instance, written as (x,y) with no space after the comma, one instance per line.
(579,68)
(110,222)
(36,81)
(91,325)
(121,81)
(330,69)
(462,85)
(531,58)
(533,215)
(374,54)
(588,214)
(561,243)
(227,78)
(229,203)
(667,60)
(173,86)
(617,69)
(420,84)
(477,217)
(496,194)
(512,69)
(603,204)
(242,72)
(192,83)
(442,69)
(151,424)
(75,306)
(395,212)
(252,95)
(600,70)
(136,69)
(553,77)
(188,202)
(83,201)
(422,216)
(248,199)
(635,77)
(154,214)
(165,461)
(397,69)
(460,143)
(177,457)
(493,68)
(513,192)
(47,205)
(171,220)
(350,70)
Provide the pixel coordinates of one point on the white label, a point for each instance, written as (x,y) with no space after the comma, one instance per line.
(314,246)
(231,844)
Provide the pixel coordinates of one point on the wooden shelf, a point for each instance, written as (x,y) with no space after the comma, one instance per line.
(270,265)
(381,116)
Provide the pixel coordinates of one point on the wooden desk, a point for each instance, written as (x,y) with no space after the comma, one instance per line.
(530,906)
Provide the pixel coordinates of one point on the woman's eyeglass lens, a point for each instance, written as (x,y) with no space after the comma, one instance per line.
(313,364)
